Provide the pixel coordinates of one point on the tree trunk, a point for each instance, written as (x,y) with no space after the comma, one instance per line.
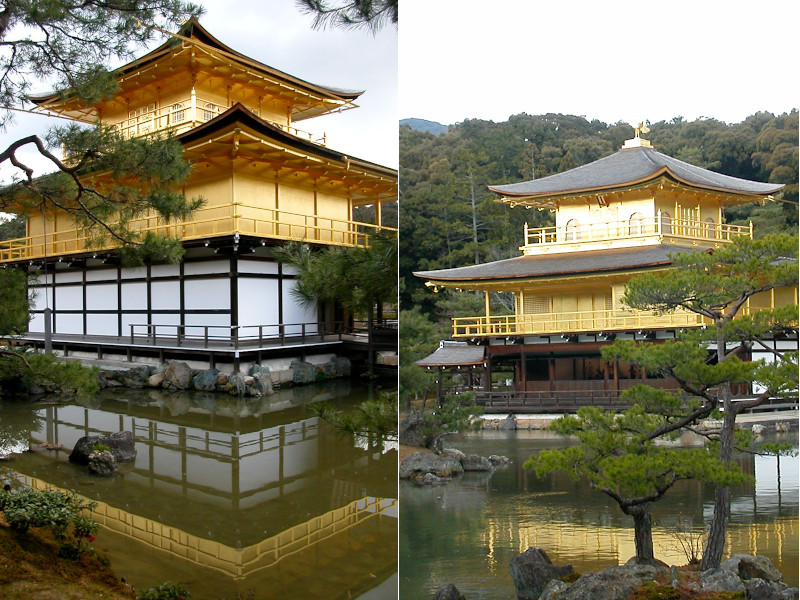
(642,532)
(715,544)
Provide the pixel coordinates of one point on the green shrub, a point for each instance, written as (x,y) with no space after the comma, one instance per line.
(101,448)
(59,512)
(166,591)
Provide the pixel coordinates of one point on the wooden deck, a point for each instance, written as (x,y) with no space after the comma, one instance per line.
(225,344)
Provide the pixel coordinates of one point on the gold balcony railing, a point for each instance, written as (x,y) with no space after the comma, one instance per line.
(569,322)
(209,222)
(659,225)
(187,113)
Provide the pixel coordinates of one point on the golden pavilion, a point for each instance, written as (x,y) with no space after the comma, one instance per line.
(616,217)
(265,182)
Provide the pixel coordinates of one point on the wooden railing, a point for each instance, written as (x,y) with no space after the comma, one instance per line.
(569,322)
(187,113)
(207,223)
(205,336)
(659,225)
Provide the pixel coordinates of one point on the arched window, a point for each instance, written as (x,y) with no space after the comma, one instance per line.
(178,113)
(710,228)
(636,224)
(573,231)
(208,111)
(666,222)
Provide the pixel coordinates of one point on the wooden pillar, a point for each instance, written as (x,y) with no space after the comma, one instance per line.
(616,375)
(605,375)
(439,392)
(488,310)
(487,384)
(551,372)
(524,369)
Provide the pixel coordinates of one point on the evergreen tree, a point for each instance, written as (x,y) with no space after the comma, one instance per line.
(69,45)
(716,286)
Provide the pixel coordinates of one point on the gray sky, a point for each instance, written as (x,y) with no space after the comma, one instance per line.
(621,60)
(276,33)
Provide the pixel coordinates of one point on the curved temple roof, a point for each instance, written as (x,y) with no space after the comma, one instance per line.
(532,266)
(632,166)
(325,98)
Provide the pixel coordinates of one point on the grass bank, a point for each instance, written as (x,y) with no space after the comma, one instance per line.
(30,569)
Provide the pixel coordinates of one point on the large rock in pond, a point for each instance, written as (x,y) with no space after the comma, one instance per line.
(103,463)
(303,372)
(509,423)
(121,445)
(473,462)
(531,571)
(752,567)
(417,464)
(448,592)
(206,381)
(178,375)
(720,580)
(758,589)
(341,366)
(613,583)
(262,383)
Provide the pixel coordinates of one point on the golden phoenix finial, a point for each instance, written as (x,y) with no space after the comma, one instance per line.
(641,128)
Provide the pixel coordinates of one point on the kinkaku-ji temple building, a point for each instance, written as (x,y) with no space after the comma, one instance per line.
(265,182)
(614,218)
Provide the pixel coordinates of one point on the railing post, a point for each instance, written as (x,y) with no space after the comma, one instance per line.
(152,327)
(303,332)
(131,333)
(205,335)
(658,221)
(282,333)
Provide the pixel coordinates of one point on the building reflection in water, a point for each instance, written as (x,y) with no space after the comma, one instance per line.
(249,489)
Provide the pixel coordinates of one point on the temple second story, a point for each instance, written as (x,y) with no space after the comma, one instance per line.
(261,177)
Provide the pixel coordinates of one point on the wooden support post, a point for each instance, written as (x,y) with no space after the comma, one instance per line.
(439,392)
(524,370)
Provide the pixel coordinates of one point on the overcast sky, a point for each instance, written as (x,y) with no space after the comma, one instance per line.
(615,61)
(276,33)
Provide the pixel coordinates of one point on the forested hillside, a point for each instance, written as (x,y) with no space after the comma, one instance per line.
(449,219)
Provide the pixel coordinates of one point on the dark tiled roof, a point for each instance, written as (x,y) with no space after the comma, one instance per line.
(565,263)
(628,166)
(453,356)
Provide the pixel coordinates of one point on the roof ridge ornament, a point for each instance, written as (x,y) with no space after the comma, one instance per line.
(637,141)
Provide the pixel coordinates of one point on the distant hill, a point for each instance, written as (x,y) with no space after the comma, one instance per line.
(424,125)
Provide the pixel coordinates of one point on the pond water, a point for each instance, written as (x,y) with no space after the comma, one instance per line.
(468,531)
(256,497)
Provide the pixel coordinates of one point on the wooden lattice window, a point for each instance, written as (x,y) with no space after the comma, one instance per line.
(537,305)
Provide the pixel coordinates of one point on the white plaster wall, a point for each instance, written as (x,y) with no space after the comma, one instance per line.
(206,294)
(134,296)
(101,325)
(71,323)
(253,266)
(258,302)
(211,266)
(294,313)
(166,295)
(98,297)
(71,277)
(70,298)
(135,273)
